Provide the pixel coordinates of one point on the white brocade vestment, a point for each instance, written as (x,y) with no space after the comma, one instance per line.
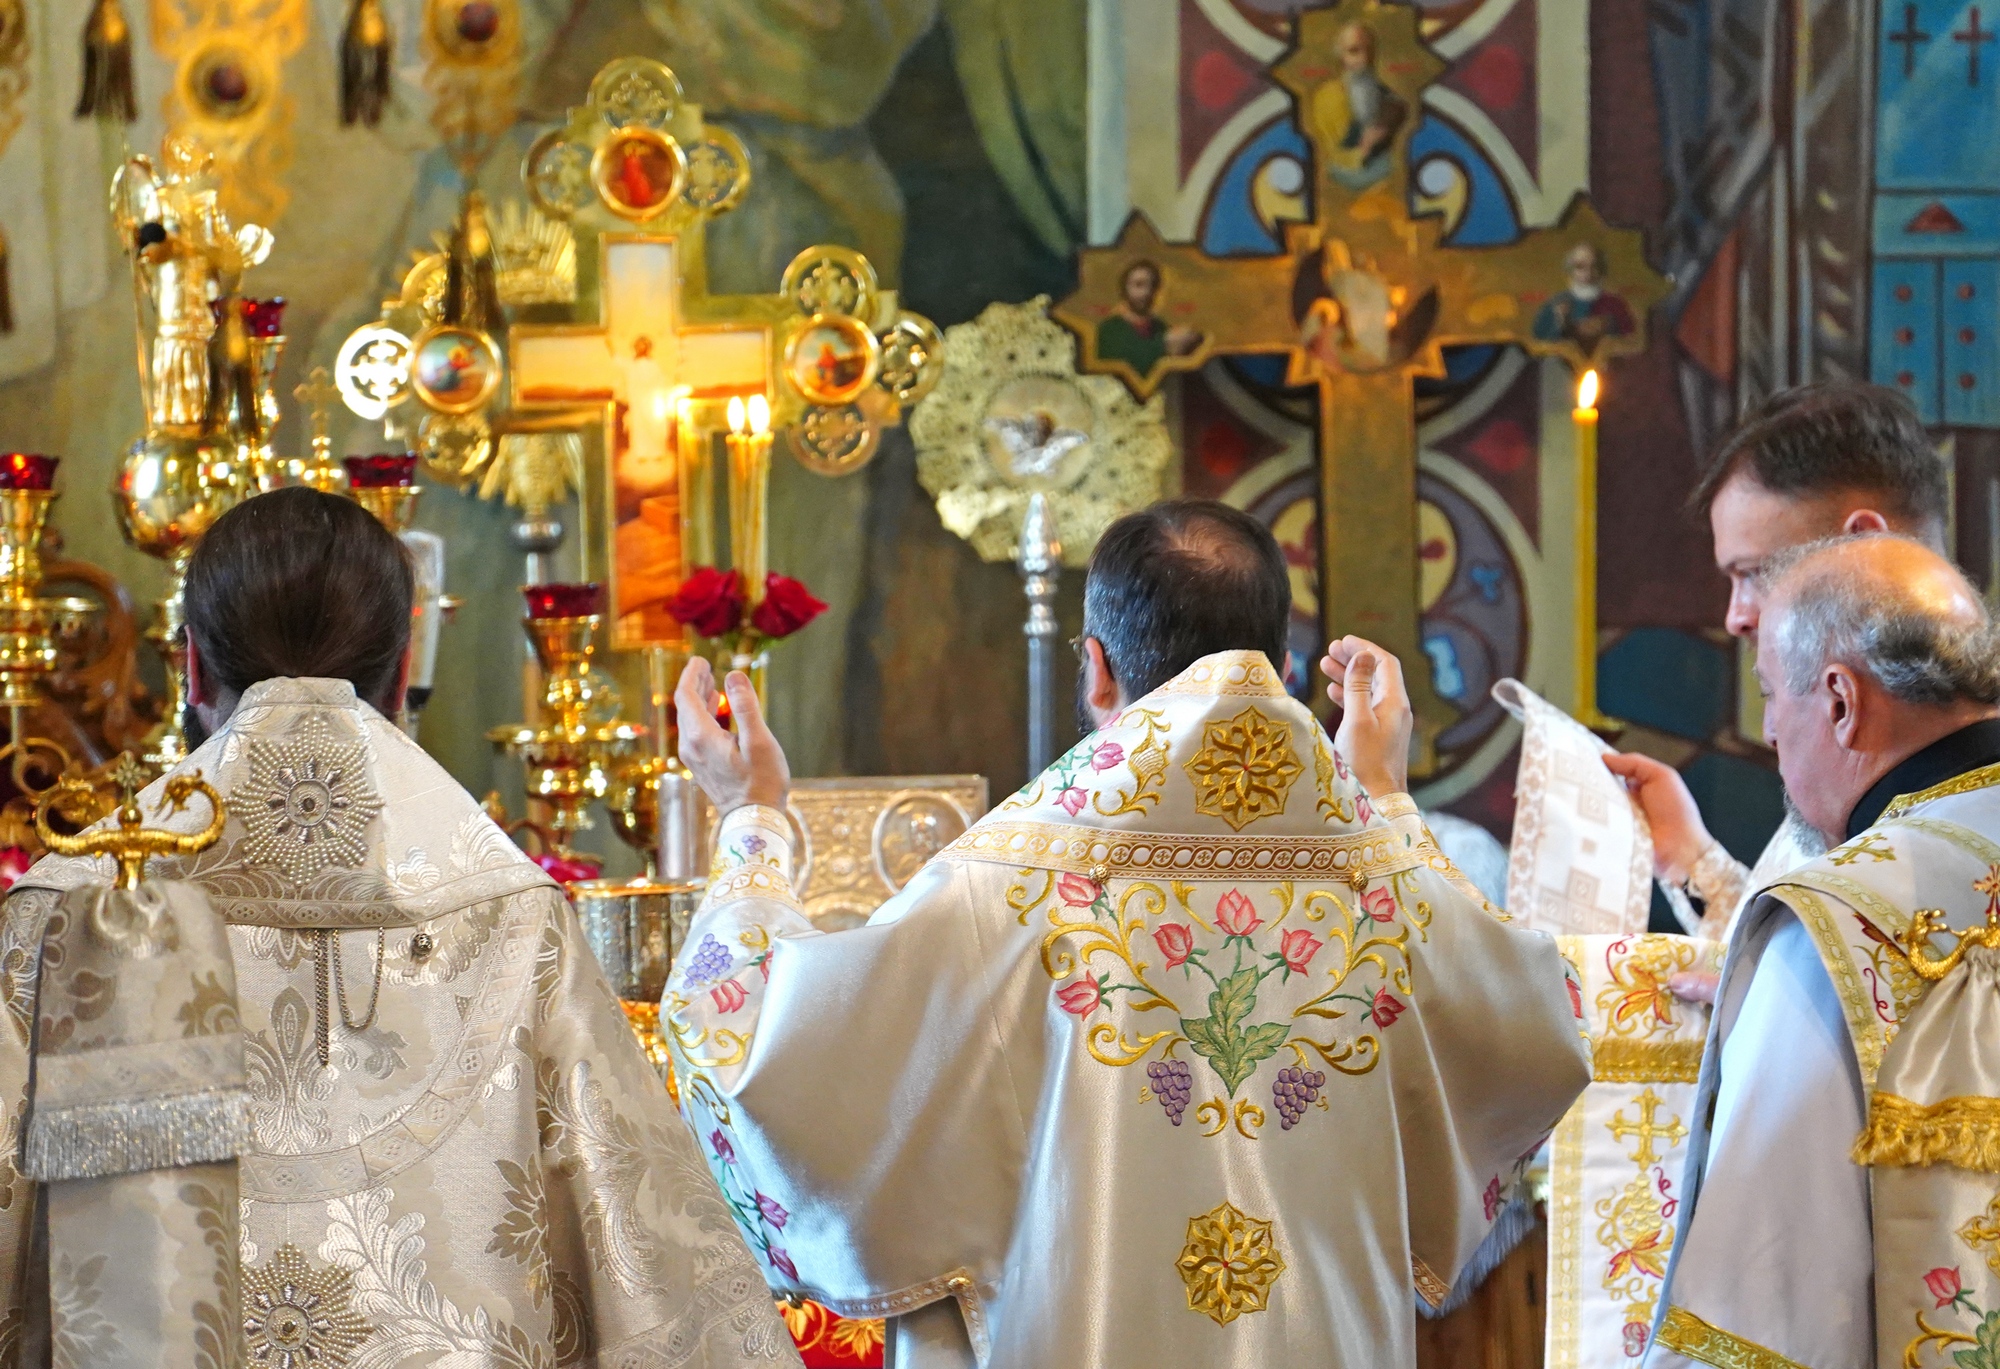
(1187,1055)
(1845,1158)
(485,1171)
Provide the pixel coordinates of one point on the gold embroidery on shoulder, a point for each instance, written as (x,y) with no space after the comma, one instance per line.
(1229,1264)
(1982,778)
(1870,1041)
(1873,845)
(1324,773)
(307,803)
(1684,1333)
(1245,769)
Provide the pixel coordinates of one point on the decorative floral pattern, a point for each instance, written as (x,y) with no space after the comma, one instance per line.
(1245,769)
(1097,953)
(307,803)
(1229,1263)
(298,1317)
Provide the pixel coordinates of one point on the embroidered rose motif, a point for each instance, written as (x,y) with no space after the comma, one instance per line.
(1379,904)
(719,1143)
(728,996)
(1078,892)
(1362,807)
(1944,1285)
(1386,1009)
(1236,915)
(773,1210)
(1491,1198)
(782,1262)
(1072,800)
(1107,756)
(1175,941)
(296,1316)
(1081,997)
(1298,947)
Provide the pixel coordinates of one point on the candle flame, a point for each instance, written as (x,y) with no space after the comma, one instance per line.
(662,406)
(736,419)
(684,411)
(1586,391)
(760,415)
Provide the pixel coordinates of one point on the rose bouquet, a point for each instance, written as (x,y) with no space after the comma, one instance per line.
(714,604)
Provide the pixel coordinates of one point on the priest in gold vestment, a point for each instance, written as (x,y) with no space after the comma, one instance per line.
(1839,1207)
(457,1154)
(1197,1051)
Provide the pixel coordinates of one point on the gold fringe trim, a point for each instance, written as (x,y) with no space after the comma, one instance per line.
(1621,1060)
(1684,1333)
(1430,1287)
(1963,1131)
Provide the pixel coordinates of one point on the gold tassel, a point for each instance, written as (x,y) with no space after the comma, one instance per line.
(107,66)
(471,280)
(1964,1132)
(366,47)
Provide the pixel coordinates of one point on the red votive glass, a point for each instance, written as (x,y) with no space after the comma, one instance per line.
(265,317)
(27,471)
(381,470)
(564,601)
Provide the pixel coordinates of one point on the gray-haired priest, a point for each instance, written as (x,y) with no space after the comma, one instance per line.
(1196,1052)
(1842,1195)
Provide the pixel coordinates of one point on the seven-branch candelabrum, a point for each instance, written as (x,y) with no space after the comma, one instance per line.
(572,752)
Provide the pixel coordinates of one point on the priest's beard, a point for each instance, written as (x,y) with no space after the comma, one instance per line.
(1803,834)
(191,724)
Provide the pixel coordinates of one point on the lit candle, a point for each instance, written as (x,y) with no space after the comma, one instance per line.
(749,492)
(697,486)
(1585,419)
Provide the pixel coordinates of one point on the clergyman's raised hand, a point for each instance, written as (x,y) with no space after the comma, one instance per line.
(1376,718)
(733,769)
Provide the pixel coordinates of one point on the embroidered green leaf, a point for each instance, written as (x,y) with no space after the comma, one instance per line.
(1231,1049)
(1987,1354)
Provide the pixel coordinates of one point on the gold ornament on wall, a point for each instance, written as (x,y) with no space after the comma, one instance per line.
(228,90)
(472,55)
(1011,418)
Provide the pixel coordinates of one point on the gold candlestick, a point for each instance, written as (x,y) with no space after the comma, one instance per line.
(750,493)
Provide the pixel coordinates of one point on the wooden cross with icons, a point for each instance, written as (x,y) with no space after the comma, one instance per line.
(1361,303)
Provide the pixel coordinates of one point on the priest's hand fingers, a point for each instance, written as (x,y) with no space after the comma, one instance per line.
(1375,720)
(767,774)
(707,751)
(1694,987)
(1679,835)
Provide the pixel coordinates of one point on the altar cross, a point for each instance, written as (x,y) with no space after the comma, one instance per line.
(1646,1129)
(1361,303)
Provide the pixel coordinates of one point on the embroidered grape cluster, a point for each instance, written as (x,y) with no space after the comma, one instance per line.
(710,962)
(1295,1091)
(1171,1084)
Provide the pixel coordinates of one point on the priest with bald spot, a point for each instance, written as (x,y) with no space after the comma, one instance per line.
(1196,1051)
(1838,1206)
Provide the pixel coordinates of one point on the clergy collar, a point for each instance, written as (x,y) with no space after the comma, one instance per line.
(1946,758)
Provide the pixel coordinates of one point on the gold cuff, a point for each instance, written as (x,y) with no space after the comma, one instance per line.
(1682,1332)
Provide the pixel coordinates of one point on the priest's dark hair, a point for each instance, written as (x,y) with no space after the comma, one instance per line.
(1838,437)
(299,583)
(1181,580)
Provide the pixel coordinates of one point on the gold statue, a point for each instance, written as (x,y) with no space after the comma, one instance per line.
(185,257)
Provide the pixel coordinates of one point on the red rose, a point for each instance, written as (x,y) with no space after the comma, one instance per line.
(1175,942)
(1077,891)
(728,996)
(14,863)
(1299,946)
(710,601)
(1386,1010)
(787,607)
(1082,997)
(1944,1285)
(1235,914)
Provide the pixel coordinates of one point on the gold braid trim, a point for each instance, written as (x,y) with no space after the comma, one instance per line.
(1963,1131)
(1981,778)
(1684,1333)
(1430,1287)
(1621,1060)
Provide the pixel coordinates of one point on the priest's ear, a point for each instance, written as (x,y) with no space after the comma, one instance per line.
(1101,694)
(1843,704)
(1863,520)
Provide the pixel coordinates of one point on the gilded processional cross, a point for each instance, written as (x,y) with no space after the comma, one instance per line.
(1363,301)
